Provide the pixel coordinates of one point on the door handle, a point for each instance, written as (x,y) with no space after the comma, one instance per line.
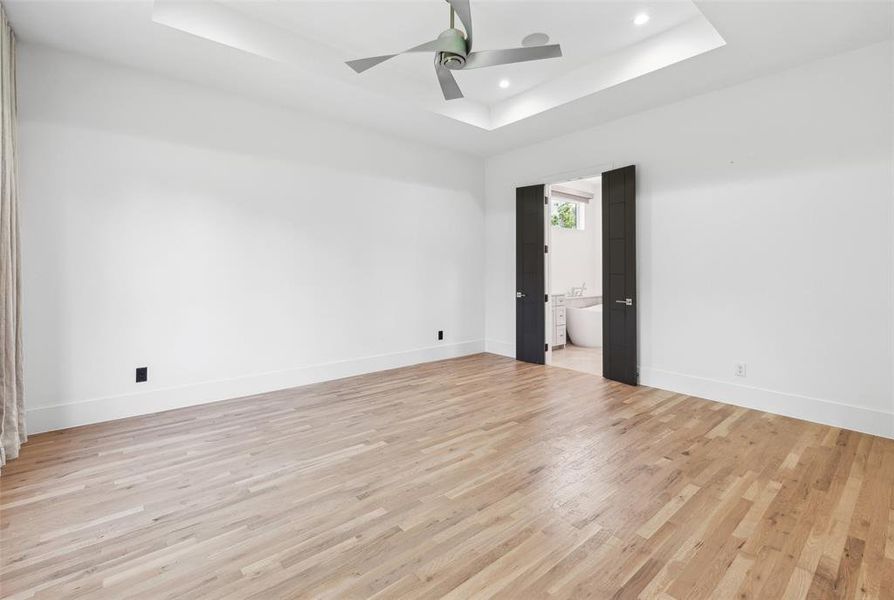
(627,301)
(519,294)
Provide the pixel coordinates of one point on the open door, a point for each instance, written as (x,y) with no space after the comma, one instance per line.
(619,275)
(530,294)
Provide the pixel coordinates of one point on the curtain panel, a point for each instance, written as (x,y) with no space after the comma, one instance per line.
(12,419)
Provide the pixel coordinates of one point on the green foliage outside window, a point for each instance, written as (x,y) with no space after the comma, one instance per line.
(565,215)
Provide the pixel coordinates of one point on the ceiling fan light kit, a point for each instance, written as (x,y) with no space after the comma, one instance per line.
(453,52)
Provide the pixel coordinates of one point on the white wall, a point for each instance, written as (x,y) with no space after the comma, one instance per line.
(576,254)
(764,236)
(230,246)
(188,230)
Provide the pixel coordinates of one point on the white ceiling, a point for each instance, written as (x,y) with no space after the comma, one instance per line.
(592,185)
(291,53)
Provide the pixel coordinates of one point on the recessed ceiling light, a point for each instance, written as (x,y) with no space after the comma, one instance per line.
(504,83)
(641,19)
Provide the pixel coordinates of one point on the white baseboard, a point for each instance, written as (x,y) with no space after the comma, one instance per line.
(816,410)
(501,348)
(96,410)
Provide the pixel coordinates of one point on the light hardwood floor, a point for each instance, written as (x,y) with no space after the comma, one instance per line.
(476,477)
(578,358)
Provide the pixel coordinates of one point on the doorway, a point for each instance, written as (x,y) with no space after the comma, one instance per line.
(576,274)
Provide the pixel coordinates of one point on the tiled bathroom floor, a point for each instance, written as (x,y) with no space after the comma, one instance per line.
(578,358)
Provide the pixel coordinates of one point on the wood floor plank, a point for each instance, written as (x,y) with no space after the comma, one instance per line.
(477,477)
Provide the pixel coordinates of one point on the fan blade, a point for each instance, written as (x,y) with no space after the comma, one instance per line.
(362,64)
(490,58)
(448,83)
(464,11)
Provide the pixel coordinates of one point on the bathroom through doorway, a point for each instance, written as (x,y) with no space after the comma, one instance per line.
(574,275)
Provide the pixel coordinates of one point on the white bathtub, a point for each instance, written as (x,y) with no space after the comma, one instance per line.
(585,326)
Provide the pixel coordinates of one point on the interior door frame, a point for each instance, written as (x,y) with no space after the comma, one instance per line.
(547,181)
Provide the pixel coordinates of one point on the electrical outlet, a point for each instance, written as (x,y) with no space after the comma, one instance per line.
(740,369)
(441,335)
(142,374)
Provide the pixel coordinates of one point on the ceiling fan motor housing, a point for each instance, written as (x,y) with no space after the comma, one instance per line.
(453,43)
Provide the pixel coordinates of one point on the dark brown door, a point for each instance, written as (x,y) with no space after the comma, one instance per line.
(530,301)
(619,275)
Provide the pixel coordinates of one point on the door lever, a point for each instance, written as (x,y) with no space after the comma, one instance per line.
(519,294)
(628,301)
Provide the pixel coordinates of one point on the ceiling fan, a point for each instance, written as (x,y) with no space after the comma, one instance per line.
(453,52)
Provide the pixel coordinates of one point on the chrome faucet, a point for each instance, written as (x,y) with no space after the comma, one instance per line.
(578,290)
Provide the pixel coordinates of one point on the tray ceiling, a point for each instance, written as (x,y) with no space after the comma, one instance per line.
(602,46)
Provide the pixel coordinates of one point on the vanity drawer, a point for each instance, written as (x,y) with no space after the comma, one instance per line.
(560,315)
(559,337)
(559,300)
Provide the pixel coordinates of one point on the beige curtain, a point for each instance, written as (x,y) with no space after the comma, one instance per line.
(12,425)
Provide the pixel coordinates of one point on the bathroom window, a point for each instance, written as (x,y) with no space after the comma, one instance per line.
(567,214)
